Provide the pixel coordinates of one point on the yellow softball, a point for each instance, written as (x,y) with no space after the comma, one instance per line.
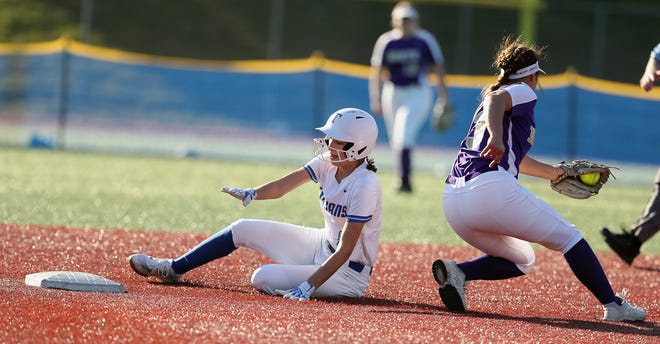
(590,179)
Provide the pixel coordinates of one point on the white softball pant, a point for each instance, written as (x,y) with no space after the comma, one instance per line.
(495,214)
(298,252)
(405,110)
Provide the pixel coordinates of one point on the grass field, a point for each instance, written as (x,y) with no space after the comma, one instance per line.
(144,192)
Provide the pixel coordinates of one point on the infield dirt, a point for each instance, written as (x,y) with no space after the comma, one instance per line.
(216,303)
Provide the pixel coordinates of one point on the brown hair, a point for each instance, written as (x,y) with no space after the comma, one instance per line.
(512,55)
(371,165)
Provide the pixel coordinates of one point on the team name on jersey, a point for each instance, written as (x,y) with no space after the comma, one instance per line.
(403,55)
(333,209)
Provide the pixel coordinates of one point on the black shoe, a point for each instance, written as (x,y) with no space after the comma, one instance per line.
(452,284)
(625,244)
(404,187)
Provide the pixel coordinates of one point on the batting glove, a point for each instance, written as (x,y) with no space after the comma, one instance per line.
(245,195)
(300,293)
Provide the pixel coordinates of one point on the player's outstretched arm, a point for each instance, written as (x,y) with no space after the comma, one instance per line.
(535,168)
(280,187)
(271,190)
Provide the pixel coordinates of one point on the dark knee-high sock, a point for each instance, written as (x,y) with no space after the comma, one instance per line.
(489,268)
(587,269)
(404,165)
(216,246)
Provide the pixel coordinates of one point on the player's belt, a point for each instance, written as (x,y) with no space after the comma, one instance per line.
(359,267)
(473,174)
(452,180)
(409,84)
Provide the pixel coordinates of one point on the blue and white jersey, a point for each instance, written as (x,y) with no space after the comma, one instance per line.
(356,199)
(408,59)
(518,136)
(656,52)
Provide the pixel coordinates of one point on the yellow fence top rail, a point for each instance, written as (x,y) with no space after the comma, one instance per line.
(315,62)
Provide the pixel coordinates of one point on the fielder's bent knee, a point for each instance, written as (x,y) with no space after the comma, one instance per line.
(527,267)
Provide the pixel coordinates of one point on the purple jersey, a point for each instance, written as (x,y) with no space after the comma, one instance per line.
(518,136)
(408,59)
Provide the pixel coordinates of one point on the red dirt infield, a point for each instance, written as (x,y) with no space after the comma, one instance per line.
(216,303)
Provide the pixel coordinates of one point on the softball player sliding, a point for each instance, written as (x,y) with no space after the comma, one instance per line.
(334,261)
(487,207)
(398,83)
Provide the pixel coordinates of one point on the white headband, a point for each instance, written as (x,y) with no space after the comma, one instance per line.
(523,72)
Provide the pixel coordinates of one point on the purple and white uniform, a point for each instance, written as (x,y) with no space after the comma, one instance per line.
(518,137)
(406,98)
(487,207)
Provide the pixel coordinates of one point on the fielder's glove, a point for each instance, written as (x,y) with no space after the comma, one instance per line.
(443,117)
(245,195)
(569,183)
(300,293)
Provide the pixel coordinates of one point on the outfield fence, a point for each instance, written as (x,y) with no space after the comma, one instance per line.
(68,95)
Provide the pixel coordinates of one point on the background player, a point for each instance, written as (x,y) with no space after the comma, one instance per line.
(490,210)
(401,62)
(334,261)
(627,244)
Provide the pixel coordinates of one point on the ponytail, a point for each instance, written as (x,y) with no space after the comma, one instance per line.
(371,165)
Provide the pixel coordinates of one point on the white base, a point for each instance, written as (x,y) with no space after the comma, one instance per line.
(73,280)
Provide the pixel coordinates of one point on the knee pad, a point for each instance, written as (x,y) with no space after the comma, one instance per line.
(240,230)
(527,267)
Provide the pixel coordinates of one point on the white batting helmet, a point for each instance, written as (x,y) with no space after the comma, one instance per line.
(351,125)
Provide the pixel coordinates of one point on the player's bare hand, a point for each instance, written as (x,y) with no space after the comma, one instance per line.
(648,79)
(494,151)
(245,195)
(300,293)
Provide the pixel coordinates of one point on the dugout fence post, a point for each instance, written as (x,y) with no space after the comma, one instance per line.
(572,112)
(318,80)
(63,100)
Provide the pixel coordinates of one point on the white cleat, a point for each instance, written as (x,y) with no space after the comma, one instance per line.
(160,267)
(452,284)
(624,311)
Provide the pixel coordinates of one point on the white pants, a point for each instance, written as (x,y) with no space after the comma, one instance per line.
(298,252)
(405,110)
(495,214)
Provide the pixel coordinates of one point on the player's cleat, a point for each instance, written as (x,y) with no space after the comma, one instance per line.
(452,284)
(625,244)
(623,311)
(404,187)
(159,267)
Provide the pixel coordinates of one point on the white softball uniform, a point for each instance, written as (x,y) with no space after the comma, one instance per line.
(487,207)
(299,251)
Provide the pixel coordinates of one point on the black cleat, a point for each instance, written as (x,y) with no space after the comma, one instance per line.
(625,244)
(452,284)
(404,187)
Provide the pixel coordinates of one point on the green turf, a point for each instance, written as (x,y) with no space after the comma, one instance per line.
(151,193)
